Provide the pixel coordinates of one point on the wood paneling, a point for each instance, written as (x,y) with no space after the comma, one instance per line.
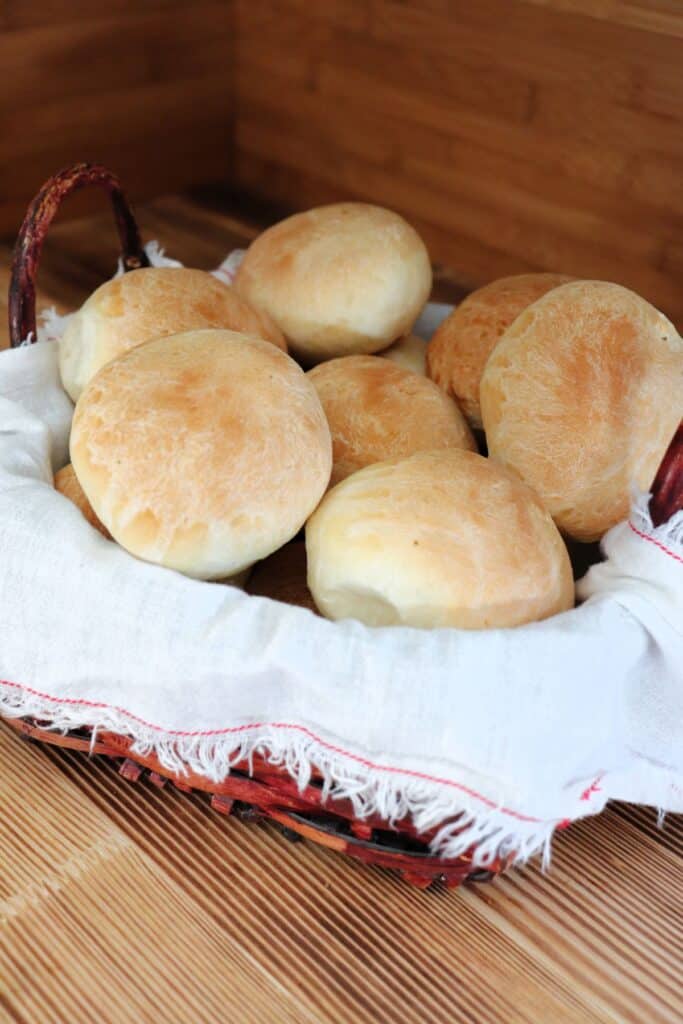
(516,134)
(146,89)
(522,134)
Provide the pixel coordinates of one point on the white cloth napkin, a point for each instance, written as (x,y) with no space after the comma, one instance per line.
(518,731)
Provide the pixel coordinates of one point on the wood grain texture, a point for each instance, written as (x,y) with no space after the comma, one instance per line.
(516,134)
(544,134)
(145,89)
(126,902)
(143,900)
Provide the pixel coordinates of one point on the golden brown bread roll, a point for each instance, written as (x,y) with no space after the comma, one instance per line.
(581,397)
(66,482)
(203,452)
(410,352)
(282,577)
(338,279)
(151,303)
(377,410)
(443,538)
(458,351)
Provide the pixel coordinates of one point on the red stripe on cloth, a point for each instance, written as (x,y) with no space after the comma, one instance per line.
(279,725)
(657,543)
(593,788)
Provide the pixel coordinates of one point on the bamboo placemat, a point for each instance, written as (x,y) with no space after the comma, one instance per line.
(123,902)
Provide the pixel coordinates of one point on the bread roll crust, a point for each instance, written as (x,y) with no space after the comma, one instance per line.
(410,352)
(438,539)
(203,452)
(378,410)
(458,351)
(581,398)
(150,303)
(66,482)
(340,279)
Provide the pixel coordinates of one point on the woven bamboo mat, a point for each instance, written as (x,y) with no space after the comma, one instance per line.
(123,902)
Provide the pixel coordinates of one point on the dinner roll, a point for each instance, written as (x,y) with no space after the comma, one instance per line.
(146,304)
(338,279)
(410,352)
(581,397)
(443,538)
(66,482)
(460,346)
(282,577)
(203,451)
(378,410)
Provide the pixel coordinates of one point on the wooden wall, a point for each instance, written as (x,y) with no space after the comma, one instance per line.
(516,134)
(146,88)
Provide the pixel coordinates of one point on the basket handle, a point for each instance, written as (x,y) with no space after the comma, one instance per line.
(667,489)
(39,216)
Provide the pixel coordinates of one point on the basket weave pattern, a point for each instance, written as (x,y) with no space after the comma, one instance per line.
(261,790)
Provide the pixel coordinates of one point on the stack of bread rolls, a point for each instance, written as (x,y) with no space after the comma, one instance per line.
(461,345)
(581,397)
(151,303)
(213,423)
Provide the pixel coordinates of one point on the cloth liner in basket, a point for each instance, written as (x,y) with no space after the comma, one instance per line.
(489,739)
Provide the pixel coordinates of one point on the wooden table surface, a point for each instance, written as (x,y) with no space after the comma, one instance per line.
(124,903)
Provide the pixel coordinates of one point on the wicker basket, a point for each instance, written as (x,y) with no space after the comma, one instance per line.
(256,789)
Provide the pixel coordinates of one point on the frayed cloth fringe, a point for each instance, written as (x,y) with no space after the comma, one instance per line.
(465,824)
(670,534)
